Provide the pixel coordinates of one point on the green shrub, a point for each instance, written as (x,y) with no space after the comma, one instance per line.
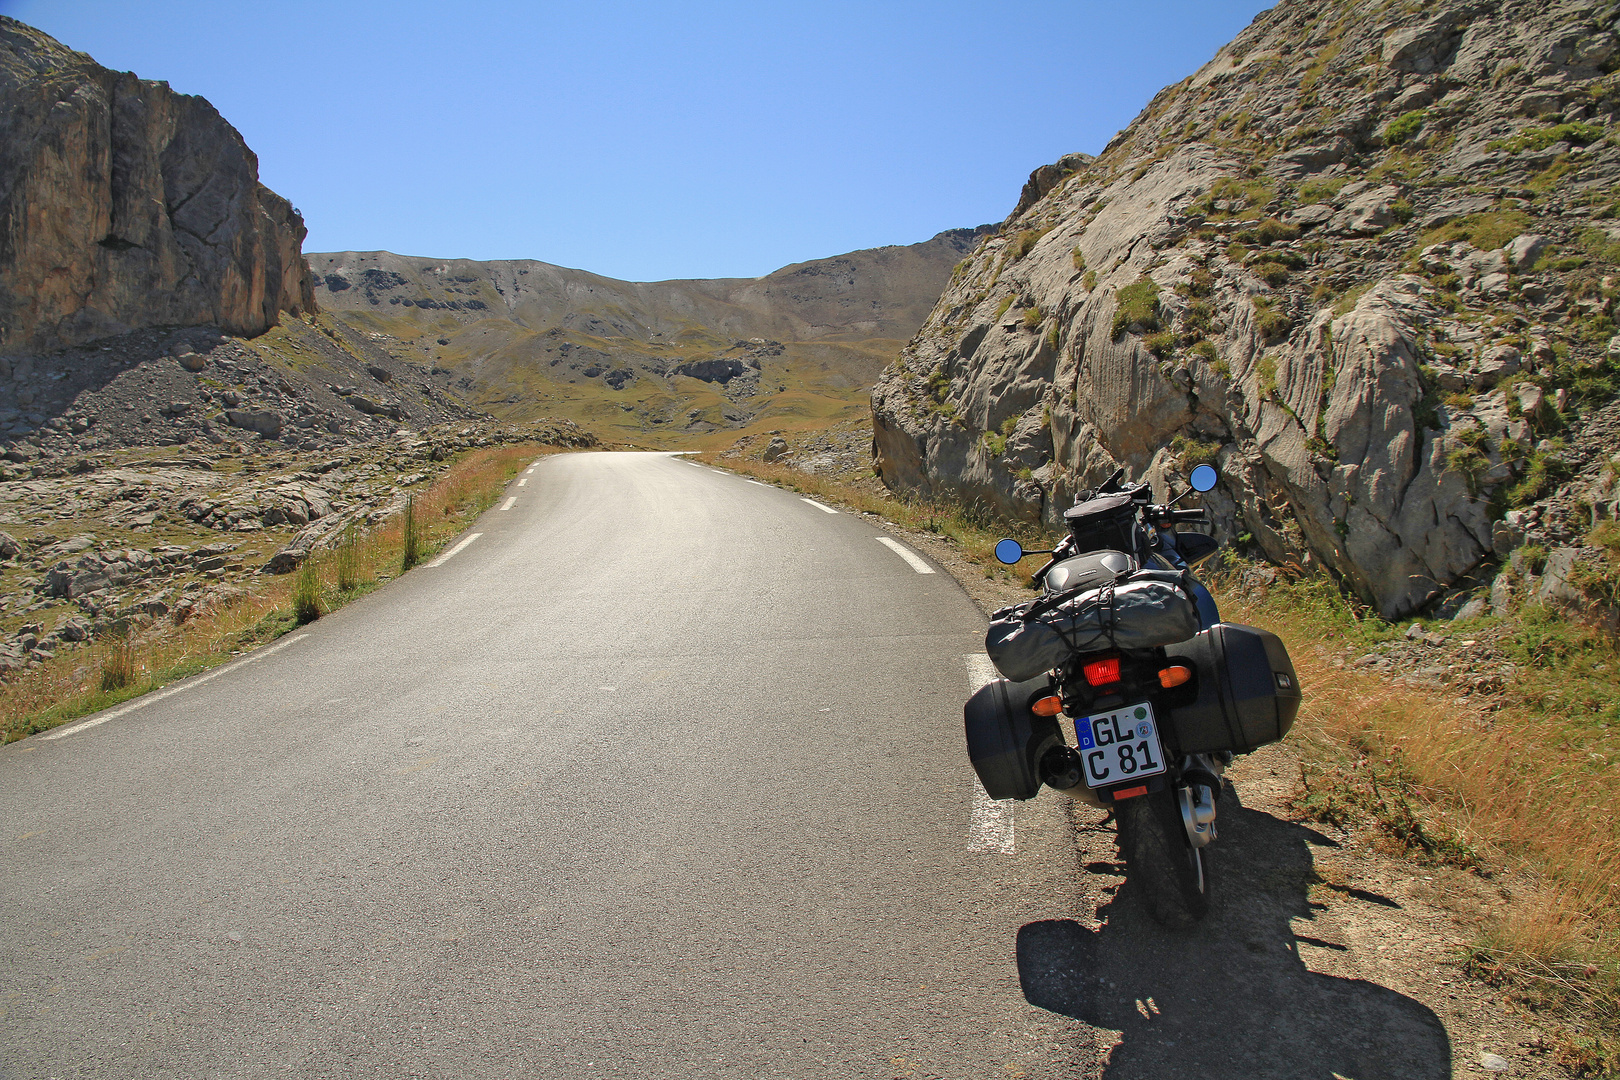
(1404,127)
(1600,245)
(347,561)
(1199,284)
(1533,557)
(1032,316)
(1471,462)
(412,553)
(1138,304)
(1267,370)
(1191,451)
(1090,281)
(1025,242)
(1272,273)
(1487,231)
(1161,344)
(1347,303)
(118,666)
(1079,259)
(1206,351)
(1268,231)
(1543,137)
(306,595)
(1269,319)
(1317,191)
(1541,478)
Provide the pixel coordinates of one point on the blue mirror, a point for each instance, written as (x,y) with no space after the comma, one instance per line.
(1204,478)
(1009,551)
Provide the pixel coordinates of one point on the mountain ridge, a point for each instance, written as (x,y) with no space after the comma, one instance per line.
(683,356)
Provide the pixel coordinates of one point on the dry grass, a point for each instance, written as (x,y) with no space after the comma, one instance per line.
(87,680)
(1522,786)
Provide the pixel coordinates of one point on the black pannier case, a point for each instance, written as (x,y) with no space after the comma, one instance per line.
(1005,740)
(1108,521)
(1247,693)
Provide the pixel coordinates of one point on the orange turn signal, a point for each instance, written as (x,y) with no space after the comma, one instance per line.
(1174,676)
(1047,706)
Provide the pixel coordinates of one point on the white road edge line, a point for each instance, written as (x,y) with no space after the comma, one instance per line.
(907,554)
(990,828)
(143,701)
(823,509)
(444,558)
(508,504)
(756,483)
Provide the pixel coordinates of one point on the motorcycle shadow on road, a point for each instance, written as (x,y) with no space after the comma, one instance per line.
(1232,998)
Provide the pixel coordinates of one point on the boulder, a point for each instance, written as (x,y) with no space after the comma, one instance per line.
(1495,364)
(1524,250)
(366,405)
(286,560)
(717,369)
(776,450)
(1369,212)
(266,422)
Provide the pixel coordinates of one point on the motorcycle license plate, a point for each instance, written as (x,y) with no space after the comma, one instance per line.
(1120,745)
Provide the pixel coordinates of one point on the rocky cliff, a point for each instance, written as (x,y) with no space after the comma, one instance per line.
(125,205)
(1364,259)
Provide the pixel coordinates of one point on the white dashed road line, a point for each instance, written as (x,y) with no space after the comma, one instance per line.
(990,828)
(756,483)
(444,558)
(523,482)
(141,702)
(818,506)
(907,554)
(508,504)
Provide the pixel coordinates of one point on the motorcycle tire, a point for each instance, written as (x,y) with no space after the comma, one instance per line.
(1171,874)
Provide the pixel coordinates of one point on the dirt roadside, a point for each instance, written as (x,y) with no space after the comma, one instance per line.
(1322,956)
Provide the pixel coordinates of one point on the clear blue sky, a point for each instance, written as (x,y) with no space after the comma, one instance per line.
(648,140)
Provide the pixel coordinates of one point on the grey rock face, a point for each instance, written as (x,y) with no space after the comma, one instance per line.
(127,205)
(1248,272)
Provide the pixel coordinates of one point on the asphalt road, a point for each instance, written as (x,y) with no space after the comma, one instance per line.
(660,776)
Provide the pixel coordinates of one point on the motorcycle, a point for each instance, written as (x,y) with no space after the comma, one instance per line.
(1126,651)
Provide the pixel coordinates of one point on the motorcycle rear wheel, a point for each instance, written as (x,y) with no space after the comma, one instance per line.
(1172,875)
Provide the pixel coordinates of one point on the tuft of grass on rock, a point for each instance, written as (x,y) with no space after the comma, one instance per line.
(1137,305)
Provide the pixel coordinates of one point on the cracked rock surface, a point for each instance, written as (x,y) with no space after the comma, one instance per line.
(166,222)
(1363,259)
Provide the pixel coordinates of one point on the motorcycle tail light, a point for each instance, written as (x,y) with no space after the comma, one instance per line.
(1174,676)
(1047,706)
(1102,672)
(1130,793)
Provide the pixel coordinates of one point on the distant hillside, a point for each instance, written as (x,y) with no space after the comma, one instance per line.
(523,338)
